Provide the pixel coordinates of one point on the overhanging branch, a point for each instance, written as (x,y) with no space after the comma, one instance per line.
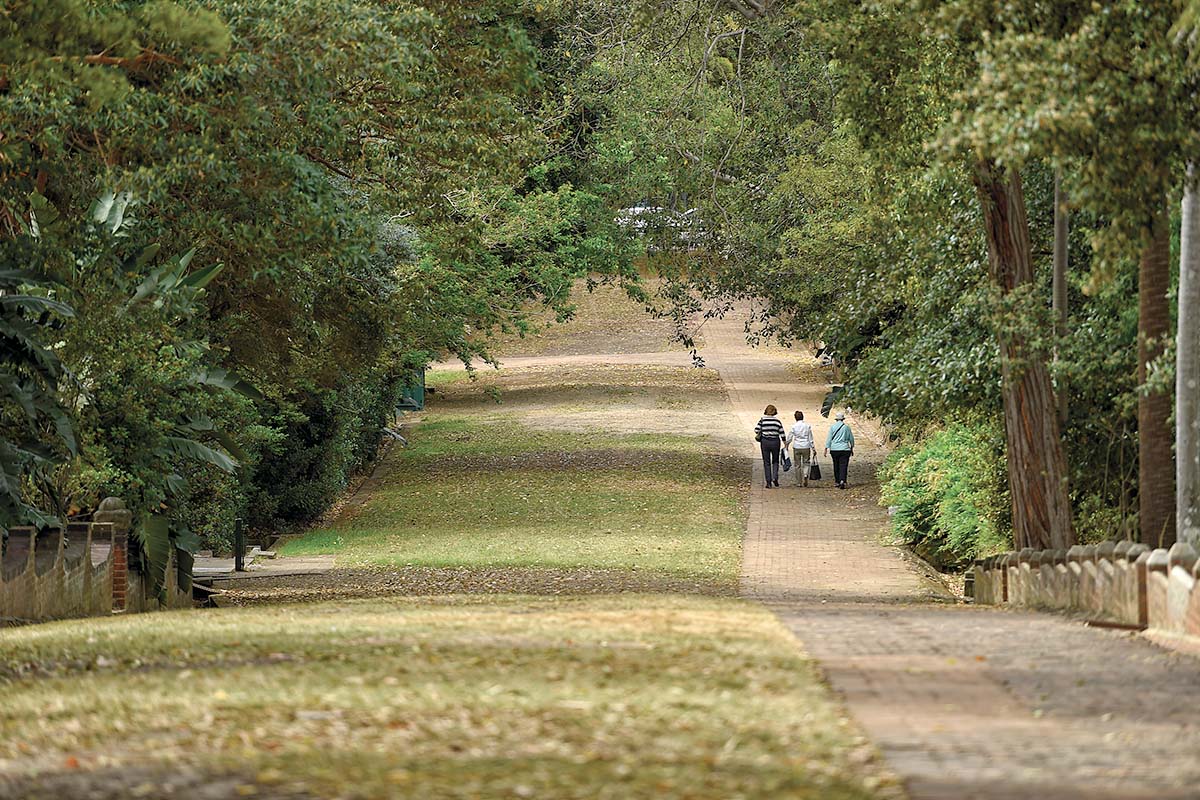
(750,9)
(692,158)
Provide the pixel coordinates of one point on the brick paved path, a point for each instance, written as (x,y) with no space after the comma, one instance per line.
(963,702)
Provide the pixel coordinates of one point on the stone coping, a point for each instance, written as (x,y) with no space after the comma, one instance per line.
(1121,582)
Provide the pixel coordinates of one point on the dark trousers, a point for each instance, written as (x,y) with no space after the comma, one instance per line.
(841,464)
(770,454)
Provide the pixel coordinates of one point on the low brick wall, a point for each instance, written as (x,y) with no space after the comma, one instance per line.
(78,572)
(56,574)
(1119,582)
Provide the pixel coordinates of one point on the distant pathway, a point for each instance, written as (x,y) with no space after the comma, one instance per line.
(963,702)
(665,358)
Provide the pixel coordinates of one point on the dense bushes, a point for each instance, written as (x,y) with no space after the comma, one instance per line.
(323,442)
(948,496)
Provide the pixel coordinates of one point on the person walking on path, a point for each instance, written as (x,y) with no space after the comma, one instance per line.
(804,447)
(840,444)
(770,435)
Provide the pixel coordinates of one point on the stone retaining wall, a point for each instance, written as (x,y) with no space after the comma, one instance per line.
(78,572)
(1118,582)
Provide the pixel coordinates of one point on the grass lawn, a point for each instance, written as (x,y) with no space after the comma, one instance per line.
(443,377)
(606,320)
(484,491)
(630,696)
(439,696)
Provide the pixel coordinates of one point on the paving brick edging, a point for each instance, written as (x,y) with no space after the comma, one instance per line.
(1122,582)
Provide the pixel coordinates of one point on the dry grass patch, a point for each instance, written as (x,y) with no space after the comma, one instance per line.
(606,320)
(344,583)
(806,369)
(612,398)
(481,495)
(573,384)
(467,697)
(604,469)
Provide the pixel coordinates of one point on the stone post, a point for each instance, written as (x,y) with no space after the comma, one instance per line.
(1142,568)
(1158,561)
(112,511)
(1004,560)
(1157,574)
(1135,551)
(1183,555)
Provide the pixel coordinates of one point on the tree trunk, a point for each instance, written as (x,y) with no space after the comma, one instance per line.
(1156,466)
(1036,465)
(1061,234)
(1187,371)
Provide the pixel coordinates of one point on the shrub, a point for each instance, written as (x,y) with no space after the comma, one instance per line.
(326,438)
(949,496)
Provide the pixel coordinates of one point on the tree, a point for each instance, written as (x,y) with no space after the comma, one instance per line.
(1127,136)
(373,205)
(1059,285)
(1036,465)
(1187,370)
(943,37)
(1156,464)
(1187,343)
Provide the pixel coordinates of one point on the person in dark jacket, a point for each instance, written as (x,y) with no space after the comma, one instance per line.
(770,434)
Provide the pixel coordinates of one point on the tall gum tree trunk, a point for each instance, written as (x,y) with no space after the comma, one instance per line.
(1187,371)
(1061,233)
(1156,464)
(1036,464)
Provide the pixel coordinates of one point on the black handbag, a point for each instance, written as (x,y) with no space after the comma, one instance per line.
(814,471)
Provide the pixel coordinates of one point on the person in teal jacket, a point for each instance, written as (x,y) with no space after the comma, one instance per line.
(840,445)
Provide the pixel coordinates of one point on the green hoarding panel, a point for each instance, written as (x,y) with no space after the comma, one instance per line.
(413,396)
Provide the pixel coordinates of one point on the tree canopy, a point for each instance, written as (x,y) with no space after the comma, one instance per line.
(263,218)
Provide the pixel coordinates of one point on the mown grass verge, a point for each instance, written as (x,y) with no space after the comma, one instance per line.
(438,378)
(632,696)
(489,492)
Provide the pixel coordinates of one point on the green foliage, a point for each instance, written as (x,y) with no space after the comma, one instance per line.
(144,393)
(146,389)
(37,431)
(354,209)
(1103,90)
(948,493)
(830,147)
(318,446)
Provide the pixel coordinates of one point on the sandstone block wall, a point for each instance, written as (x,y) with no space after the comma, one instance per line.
(81,571)
(1119,582)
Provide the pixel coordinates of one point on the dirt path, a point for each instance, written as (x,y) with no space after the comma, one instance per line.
(964,702)
(670,358)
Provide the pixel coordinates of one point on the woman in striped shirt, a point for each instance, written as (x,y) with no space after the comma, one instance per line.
(770,434)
